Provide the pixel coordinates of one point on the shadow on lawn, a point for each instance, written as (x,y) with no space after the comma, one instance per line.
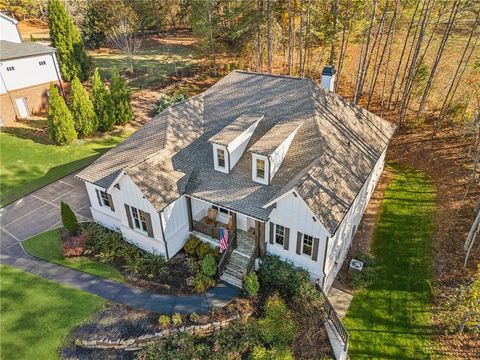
(35,130)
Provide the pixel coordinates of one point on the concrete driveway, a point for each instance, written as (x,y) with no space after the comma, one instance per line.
(40,210)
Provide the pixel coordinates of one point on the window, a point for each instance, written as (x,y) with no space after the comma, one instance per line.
(222,210)
(42,63)
(279,234)
(221,157)
(260,169)
(105,199)
(139,219)
(10,68)
(307,244)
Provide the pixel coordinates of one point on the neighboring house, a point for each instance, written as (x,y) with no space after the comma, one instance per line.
(288,166)
(8,29)
(26,71)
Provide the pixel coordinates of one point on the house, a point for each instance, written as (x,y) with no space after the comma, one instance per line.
(284,165)
(26,71)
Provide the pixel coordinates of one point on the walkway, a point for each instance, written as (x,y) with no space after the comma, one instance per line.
(40,211)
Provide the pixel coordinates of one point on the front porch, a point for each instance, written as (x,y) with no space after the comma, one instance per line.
(245,237)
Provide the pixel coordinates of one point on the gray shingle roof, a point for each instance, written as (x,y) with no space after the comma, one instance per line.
(11,50)
(329,159)
(235,128)
(274,137)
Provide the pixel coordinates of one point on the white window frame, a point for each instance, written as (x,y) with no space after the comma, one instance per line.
(223,159)
(257,162)
(138,219)
(105,199)
(310,239)
(279,233)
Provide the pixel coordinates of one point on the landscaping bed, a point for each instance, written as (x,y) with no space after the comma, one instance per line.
(283,318)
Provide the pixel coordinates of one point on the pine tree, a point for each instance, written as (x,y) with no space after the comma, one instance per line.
(81,106)
(69,220)
(121,98)
(102,103)
(60,121)
(65,37)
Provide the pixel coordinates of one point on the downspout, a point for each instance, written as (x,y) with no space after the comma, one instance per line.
(163,236)
(325,262)
(57,71)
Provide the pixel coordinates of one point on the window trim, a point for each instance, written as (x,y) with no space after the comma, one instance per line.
(311,245)
(222,158)
(138,219)
(257,161)
(277,228)
(105,199)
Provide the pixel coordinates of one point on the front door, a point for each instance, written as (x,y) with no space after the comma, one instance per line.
(22,107)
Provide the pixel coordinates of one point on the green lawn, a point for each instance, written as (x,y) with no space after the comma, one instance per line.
(154,62)
(391,319)
(29,162)
(38,315)
(48,246)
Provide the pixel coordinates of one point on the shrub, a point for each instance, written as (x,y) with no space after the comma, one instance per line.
(203,250)
(84,118)
(121,98)
(193,265)
(106,244)
(277,327)
(191,245)
(180,347)
(59,119)
(200,282)
(282,276)
(176,319)
(152,265)
(194,317)
(251,284)
(102,103)
(164,320)
(262,353)
(209,265)
(74,246)
(236,339)
(166,101)
(69,220)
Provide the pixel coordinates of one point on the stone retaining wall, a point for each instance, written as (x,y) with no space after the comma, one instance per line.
(136,343)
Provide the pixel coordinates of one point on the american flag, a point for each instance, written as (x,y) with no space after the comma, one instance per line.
(223,239)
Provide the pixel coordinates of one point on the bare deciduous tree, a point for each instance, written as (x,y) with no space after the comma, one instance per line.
(123,38)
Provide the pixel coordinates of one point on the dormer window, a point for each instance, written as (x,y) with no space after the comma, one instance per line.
(221,158)
(261,169)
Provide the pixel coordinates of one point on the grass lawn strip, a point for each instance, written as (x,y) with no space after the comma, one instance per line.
(48,246)
(392,317)
(28,163)
(38,315)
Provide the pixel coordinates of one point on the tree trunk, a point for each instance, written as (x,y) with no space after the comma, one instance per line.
(454,82)
(290,37)
(307,38)
(438,57)
(333,56)
(343,47)
(400,61)
(269,36)
(259,35)
(380,62)
(300,41)
(363,58)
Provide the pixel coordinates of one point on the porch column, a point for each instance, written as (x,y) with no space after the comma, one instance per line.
(234,220)
(189,211)
(260,237)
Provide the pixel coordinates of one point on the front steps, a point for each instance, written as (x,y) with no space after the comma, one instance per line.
(237,265)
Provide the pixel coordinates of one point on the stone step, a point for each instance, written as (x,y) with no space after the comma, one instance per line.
(239,260)
(231,280)
(235,273)
(236,267)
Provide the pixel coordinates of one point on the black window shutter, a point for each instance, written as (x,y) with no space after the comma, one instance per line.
(148,220)
(98,197)
(299,243)
(272,226)
(286,239)
(315,249)
(129,216)
(111,202)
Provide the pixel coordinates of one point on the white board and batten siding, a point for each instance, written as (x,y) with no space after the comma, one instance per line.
(341,241)
(237,147)
(176,227)
(292,212)
(130,195)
